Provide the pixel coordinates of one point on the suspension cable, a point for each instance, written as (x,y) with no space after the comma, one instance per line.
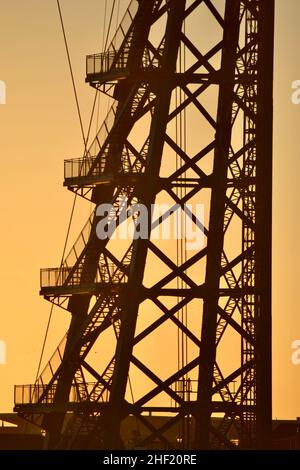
(118,15)
(85,140)
(71,71)
(103,29)
(109,25)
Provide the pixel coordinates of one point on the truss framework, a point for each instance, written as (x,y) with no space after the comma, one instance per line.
(224,96)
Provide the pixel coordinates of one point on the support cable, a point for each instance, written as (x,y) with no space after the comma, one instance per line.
(109,25)
(71,71)
(104,23)
(85,140)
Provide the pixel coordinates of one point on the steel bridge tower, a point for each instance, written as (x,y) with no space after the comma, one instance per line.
(182,327)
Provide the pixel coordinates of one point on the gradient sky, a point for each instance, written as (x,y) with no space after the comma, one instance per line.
(39,128)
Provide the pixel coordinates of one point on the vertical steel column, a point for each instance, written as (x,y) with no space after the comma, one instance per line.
(216,228)
(264,225)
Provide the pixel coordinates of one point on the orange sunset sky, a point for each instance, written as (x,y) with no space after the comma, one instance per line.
(39,128)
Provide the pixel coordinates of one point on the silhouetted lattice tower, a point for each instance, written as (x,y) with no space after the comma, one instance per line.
(182,327)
